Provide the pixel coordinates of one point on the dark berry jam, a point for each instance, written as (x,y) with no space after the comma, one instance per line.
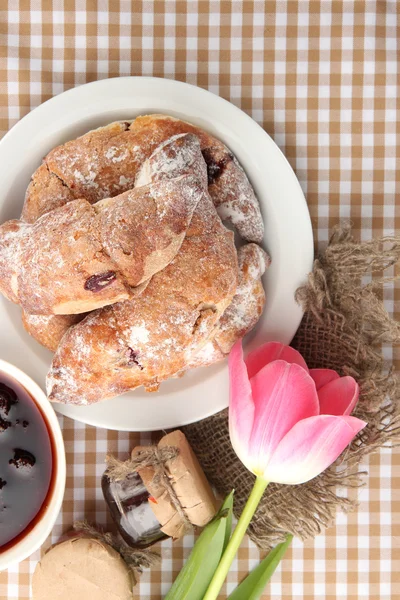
(128,501)
(26,462)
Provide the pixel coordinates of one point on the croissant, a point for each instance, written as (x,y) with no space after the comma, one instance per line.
(188,313)
(48,330)
(146,340)
(238,319)
(79,257)
(105,163)
(242,313)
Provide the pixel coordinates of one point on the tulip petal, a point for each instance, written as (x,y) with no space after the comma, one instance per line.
(338,397)
(283,394)
(354,423)
(269,352)
(323,376)
(241,405)
(310,447)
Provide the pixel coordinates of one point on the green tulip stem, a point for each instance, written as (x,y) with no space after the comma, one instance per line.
(236,539)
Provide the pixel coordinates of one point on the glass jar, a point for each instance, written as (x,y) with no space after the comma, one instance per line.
(129,504)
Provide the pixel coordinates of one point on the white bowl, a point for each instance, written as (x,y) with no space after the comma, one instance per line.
(288,233)
(38,534)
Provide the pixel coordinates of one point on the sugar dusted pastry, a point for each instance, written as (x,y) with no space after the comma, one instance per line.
(87,167)
(238,319)
(184,302)
(177,156)
(228,184)
(105,163)
(50,266)
(48,330)
(243,312)
(248,303)
(80,257)
(168,159)
(146,340)
(11,234)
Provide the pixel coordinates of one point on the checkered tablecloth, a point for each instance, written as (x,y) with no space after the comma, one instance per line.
(321,76)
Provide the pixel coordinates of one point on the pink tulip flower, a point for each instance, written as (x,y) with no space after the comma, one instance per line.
(288,423)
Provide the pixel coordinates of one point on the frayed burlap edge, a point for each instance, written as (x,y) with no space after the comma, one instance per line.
(344,327)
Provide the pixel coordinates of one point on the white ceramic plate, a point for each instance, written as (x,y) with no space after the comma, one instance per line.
(288,233)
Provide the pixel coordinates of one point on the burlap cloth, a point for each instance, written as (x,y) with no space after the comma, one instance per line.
(343,328)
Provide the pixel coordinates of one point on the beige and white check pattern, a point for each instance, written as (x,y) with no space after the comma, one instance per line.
(322,77)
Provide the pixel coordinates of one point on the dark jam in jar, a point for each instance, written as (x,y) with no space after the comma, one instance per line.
(25,462)
(129,504)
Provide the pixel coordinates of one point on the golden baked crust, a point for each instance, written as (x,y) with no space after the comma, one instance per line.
(105,162)
(80,257)
(146,340)
(54,259)
(59,179)
(11,234)
(248,303)
(192,310)
(48,330)
(143,229)
(45,193)
(238,319)
(243,312)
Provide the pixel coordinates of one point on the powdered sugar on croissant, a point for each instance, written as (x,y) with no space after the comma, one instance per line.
(244,311)
(190,312)
(105,162)
(48,330)
(246,307)
(146,340)
(177,156)
(81,257)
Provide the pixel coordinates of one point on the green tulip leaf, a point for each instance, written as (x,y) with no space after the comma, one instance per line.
(253,586)
(196,574)
(228,505)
